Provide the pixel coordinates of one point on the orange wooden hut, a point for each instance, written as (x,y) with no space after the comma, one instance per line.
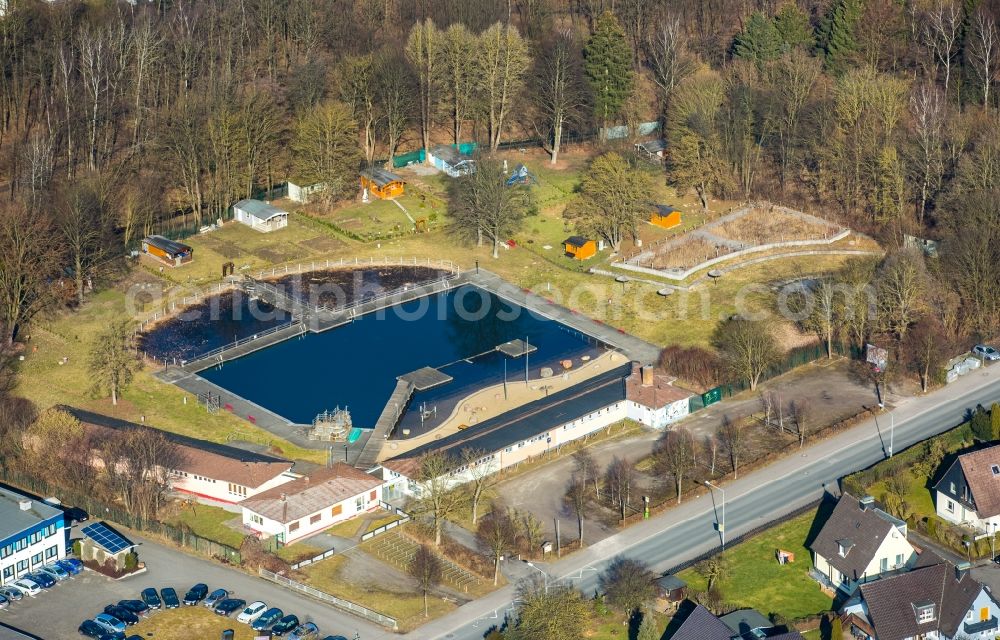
(579,248)
(665,216)
(381,183)
(167,251)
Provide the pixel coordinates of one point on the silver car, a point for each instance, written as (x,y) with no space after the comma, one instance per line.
(986,352)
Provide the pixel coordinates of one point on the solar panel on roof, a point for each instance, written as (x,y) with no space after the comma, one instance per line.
(110,541)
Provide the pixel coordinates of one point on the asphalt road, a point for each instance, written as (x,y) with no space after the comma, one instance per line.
(687,531)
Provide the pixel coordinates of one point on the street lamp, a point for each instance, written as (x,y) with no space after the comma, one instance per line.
(545,576)
(722,524)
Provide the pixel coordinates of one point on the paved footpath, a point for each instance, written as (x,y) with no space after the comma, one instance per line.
(687,531)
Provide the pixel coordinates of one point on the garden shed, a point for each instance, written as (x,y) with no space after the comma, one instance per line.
(105,546)
(260,215)
(168,251)
(302,192)
(579,248)
(665,216)
(455,161)
(382,183)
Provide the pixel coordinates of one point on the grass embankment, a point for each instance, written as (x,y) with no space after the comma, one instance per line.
(192,622)
(754,578)
(402,602)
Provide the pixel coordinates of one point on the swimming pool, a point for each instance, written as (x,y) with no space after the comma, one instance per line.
(356,365)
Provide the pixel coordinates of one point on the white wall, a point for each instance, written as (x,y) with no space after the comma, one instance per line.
(220,489)
(324,518)
(895,544)
(953,511)
(50,544)
(657,418)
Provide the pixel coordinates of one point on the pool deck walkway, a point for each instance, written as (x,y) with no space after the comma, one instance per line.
(383,427)
(634,348)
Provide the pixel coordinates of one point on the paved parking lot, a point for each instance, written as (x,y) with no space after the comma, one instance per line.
(56,613)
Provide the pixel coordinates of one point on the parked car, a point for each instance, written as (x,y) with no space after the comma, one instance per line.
(169,597)
(28,586)
(109,623)
(55,571)
(196,594)
(135,637)
(71,565)
(76,514)
(43,580)
(283,626)
(266,619)
(151,598)
(11,592)
(229,605)
(216,597)
(307,631)
(135,606)
(4,602)
(986,352)
(335,638)
(123,614)
(91,629)
(252,612)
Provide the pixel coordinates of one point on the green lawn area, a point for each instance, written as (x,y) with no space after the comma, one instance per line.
(755,579)
(612,625)
(347,528)
(208,522)
(69,335)
(406,606)
(190,622)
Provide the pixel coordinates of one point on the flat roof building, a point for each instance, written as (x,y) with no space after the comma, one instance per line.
(31,534)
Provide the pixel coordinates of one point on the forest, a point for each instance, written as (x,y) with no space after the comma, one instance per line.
(119,119)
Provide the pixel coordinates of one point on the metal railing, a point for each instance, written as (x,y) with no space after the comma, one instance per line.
(218,351)
(308,561)
(387,295)
(386,527)
(340,603)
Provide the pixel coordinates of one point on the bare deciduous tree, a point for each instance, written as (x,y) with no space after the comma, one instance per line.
(620,479)
(983,50)
(427,569)
(558,88)
(503,61)
(482,470)
(674,455)
(497,536)
(29,262)
(747,347)
(439,498)
(422,50)
(734,441)
(577,498)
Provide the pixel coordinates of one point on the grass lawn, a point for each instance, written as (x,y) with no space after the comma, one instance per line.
(406,606)
(347,528)
(755,579)
(612,625)
(43,380)
(187,623)
(208,522)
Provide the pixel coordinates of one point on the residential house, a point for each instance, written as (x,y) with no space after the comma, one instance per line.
(940,602)
(170,252)
(204,469)
(259,215)
(32,533)
(698,623)
(312,503)
(652,399)
(859,542)
(968,492)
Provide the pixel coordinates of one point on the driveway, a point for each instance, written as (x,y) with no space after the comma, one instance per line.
(55,614)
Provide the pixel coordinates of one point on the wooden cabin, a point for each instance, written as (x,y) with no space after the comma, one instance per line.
(168,251)
(382,184)
(671,588)
(579,248)
(665,216)
(260,215)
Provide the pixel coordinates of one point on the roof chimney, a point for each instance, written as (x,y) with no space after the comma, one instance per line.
(866,502)
(24,504)
(961,569)
(647,375)
(283,497)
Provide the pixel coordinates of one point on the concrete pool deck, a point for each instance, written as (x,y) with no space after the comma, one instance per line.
(186,378)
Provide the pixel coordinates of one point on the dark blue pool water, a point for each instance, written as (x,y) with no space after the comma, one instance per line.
(357,364)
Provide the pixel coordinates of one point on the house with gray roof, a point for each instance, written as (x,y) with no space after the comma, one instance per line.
(259,215)
(312,503)
(744,624)
(859,542)
(940,601)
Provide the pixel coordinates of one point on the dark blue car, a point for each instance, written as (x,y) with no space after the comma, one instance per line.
(71,565)
(285,625)
(266,619)
(123,614)
(45,581)
(151,598)
(135,606)
(169,596)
